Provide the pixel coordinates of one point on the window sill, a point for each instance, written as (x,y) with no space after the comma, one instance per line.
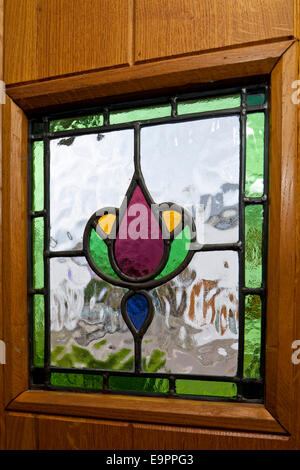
(221,415)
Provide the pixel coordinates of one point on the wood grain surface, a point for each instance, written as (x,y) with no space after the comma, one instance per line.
(281,311)
(40,432)
(14,233)
(64,53)
(164,28)
(45,432)
(156,410)
(46,38)
(86,88)
(51,38)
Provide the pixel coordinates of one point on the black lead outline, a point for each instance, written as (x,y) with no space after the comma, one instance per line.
(40,375)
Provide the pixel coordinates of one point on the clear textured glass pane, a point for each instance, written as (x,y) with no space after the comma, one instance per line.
(38,330)
(38,176)
(76,380)
(140,114)
(86,173)
(83,122)
(38,253)
(252,336)
(196,164)
(139,384)
(87,328)
(209,104)
(203,388)
(255,99)
(253,245)
(255,155)
(195,327)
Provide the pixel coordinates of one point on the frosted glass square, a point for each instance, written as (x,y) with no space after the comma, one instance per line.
(86,173)
(195,327)
(87,329)
(196,164)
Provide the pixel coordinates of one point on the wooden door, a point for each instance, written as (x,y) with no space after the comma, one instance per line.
(60,54)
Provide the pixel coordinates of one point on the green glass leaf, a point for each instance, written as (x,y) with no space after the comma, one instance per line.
(255,99)
(156,361)
(56,352)
(81,357)
(139,384)
(179,250)
(203,388)
(38,176)
(37,252)
(209,104)
(99,253)
(84,122)
(76,380)
(38,330)
(252,336)
(115,361)
(253,245)
(100,344)
(140,114)
(255,155)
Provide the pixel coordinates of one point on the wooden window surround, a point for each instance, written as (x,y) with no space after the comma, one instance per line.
(278,60)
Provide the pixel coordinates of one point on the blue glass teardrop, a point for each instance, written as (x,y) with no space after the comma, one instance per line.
(137,310)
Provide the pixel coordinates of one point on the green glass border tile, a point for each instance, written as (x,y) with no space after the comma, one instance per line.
(252,338)
(59,379)
(255,99)
(253,245)
(255,149)
(38,176)
(139,384)
(38,320)
(82,122)
(140,114)
(209,104)
(38,253)
(206,388)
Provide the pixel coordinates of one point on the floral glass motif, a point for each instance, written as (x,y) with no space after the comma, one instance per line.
(156,249)
(139,294)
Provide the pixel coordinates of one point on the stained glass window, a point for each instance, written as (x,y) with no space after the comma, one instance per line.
(147,242)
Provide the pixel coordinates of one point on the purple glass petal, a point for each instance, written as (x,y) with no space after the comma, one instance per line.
(139,245)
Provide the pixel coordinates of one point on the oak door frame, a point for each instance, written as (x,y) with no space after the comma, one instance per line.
(281,410)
